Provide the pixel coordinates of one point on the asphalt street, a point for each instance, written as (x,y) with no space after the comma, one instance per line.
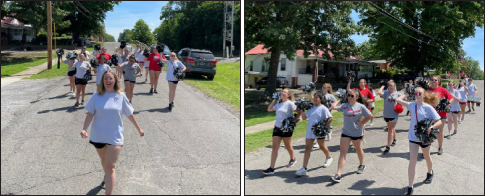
(459,170)
(195,149)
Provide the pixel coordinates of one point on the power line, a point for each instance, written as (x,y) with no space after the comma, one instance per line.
(79,10)
(79,4)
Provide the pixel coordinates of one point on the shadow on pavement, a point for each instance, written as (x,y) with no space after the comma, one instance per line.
(363,184)
(95,190)
(146,94)
(67,109)
(258,173)
(162,110)
(64,96)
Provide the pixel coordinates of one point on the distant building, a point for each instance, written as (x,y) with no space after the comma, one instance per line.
(12,30)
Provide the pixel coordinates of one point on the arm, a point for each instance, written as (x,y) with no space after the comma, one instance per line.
(362,123)
(133,120)
(328,122)
(436,124)
(87,122)
(348,86)
(380,91)
(401,101)
(371,97)
(456,98)
(71,63)
(270,107)
(334,105)
(303,116)
(298,114)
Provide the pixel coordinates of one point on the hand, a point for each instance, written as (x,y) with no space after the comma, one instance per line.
(142,133)
(429,131)
(84,134)
(359,123)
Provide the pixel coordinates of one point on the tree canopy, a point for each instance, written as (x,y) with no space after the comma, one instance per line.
(125,35)
(142,33)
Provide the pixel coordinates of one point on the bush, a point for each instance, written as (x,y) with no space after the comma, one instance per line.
(42,37)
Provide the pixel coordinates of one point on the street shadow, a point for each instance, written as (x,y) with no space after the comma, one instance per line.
(146,94)
(69,109)
(161,110)
(362,185)
(292,178)
(67,95)
(95,190)
(258,173)
(195,77)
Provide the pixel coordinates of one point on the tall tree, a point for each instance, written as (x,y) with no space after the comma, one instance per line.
(125,35)
(142,33)
(398,28)
(285,27)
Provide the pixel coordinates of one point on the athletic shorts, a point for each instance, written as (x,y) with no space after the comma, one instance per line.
(278,132)
(390,119)
(352,138)
(420,144)
(123,72)
(71,73)
(443,118)
(372,109)
(130,81)
(470,101)
(463,103)
(175,82)
(455,112)
(80,81)
(98,145)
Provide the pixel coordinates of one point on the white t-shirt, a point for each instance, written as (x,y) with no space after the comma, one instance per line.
(373,104)
(315,115)
(81,67)
(107,126)
(471,89)
(352,114)
(139,57)
(67,62)
(170,68)
(283,111)
(455,106)
(100,71)
(147,64)
(87,54)
(462,93)
(425,111)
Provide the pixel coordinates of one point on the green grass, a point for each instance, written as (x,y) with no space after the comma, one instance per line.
(13,63)
(254,141)
(53,73)
(256,114)
(225,86)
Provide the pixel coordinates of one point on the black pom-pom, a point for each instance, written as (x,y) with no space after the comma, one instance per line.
(443,106)
(309,87)
(277,96)
(421,131)
(94,63)
(350,75)
(342,95)
(288,124)
(178,73)
(383,83)
(303,104)
(319,129)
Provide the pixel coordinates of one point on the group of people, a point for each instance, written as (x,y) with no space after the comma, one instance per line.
(109,103)
(358,111)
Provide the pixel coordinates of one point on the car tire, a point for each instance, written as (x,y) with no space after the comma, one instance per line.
(258,87)
(210,77)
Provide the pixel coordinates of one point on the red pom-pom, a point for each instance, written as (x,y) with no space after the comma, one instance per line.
(398,109)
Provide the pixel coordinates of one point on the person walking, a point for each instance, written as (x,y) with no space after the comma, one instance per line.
(140,58)
(390,115)
(472,91)
(103,53)
(102,67)
(420,109)
(454,109)
(125,53)
(372,105)
(130,70)
(318,113)
(463,91)
(366,93)
(443,93)
(327,92)
(352,131)
(82,66)
(71,71)
(105,109)
(172,65)
(283,110)
(154,69)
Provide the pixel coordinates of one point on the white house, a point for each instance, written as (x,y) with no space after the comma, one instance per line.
(12,29)
(302,70)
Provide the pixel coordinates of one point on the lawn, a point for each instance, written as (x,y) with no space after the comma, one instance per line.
(225,86)
(15,62)
(53,73)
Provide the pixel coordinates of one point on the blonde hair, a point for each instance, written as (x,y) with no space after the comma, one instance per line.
(177,59)
(430,98)
(117,49)
(329,88)
(290,94)
(101,89)
(360,98)
(437,77)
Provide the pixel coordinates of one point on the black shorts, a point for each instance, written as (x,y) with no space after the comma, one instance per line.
(175,82)
(443,118)
(80,81)
(456,112)
(130,81)
(390,119)
(372,109)
(420,144)
(470,101)
(98,145)
(71,73)
(353,138)
(278,132)
(123,72)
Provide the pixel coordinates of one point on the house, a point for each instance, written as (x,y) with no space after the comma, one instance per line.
(382,64)
(303,70)
(12,30)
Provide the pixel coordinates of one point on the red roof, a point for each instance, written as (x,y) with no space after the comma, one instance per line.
(8,20)
(259,50)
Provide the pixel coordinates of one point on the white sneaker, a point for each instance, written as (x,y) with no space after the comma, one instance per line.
(329,136)
(370,124)
(301,172)
(459,121)
(328,162)
(315,145)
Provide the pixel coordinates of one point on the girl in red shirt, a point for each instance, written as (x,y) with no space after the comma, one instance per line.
(154,69)
(436,87)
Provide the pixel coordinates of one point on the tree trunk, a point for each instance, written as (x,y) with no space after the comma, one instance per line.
(272,72)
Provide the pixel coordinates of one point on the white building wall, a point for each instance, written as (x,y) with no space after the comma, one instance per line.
(304,79)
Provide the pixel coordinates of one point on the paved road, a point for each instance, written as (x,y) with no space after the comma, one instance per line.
(195,149)
(459,170)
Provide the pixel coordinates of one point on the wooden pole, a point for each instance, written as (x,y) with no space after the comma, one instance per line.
(49,35)
(55,38)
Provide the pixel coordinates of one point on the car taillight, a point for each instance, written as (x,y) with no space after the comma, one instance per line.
(214,63)
(187,70)
(278,81)
(190,60)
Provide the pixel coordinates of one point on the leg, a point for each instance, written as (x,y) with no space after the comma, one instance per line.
(131,90)
(78,88)
(157,75)
(102,156)
(441,136)
(473,106)
(413,158)
(427,157)
(172,92)
(391,134)
(83,89)
(468,103)
(462,107)
(127,89)
(71,83)
(450,120)
(323,147)
(152,78)
(455,120)
(289,147)
(274,152)
(308,150)
(112,152)
(146,73)
(344,148)
(358,149)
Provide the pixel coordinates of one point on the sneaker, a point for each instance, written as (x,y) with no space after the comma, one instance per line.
(370,124)
(463,118)
(469,111)
(77,104)
(301,172)
(393,142)
(291,163)
(459,121)
(328,162)
(456,131)
(361,169)
(155,91)
(448,136)
(429,177)
(103,183)
(386,150)
(335,178)
(170,107)
(269,171)
(440,151)
(473,108)
(82,102)
(329,136)
(151,90)
(73,94)
(315,145)
(173,104)
(410,191)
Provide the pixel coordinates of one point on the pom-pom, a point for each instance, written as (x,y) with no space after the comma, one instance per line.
(421,131)
(443,106)
(398,109)
(288,124)
(319,129)
(303,104)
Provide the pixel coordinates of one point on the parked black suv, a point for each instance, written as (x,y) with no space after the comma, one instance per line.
(281,82)
(198,61)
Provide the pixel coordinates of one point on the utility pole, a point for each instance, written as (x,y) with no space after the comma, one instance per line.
(49,35)
(228,28)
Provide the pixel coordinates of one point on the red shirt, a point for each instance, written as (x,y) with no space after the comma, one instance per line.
(106,56)
(154,58)
(443,93)
(366,93)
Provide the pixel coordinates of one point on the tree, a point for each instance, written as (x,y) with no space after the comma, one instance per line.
(142,33)
(125,35)
(445,25)
(285,27)
(471,68)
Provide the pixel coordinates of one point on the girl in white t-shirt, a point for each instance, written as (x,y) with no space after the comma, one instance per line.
(140,58)
(82,66)
(283,110)
(463,90)
(455,108)
(105,109)
(420,109)
(172,64)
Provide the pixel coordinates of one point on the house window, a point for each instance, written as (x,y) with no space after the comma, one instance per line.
(263,67)
(251,66)
(283,64)
(17,31)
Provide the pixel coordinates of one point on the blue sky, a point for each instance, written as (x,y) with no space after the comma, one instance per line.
(473,46)
(125,15)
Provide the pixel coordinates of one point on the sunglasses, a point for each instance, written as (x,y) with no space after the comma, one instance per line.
(418,94)
(435,80)
(172,55)
(349,95)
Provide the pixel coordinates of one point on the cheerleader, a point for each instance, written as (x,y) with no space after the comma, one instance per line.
(390,116)
(420,109)
(443,93)
(455,108)
(463,90)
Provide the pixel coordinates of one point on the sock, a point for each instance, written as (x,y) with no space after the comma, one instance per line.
(305,168)
(410,186)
